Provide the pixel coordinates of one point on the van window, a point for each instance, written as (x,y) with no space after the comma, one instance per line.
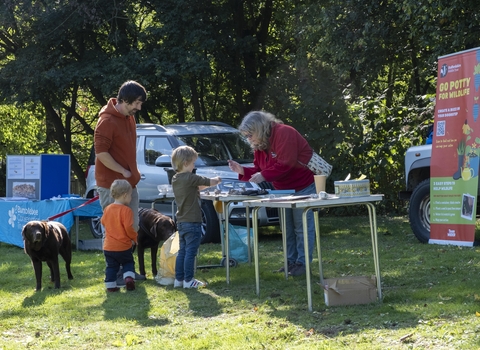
(156,146)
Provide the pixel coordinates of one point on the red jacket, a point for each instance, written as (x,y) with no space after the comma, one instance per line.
(280,163)
(117,135)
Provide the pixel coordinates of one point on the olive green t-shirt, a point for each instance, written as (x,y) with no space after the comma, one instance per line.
(185,189)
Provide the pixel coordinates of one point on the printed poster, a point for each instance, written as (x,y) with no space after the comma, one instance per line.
(454,168)
(32,167)
(15,167)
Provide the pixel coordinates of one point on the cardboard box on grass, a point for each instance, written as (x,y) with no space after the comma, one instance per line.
(350,290)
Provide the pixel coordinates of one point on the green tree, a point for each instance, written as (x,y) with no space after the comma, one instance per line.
(384,55)
(356,77)
(61,57)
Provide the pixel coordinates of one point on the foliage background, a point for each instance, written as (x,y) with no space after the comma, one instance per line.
(356,77)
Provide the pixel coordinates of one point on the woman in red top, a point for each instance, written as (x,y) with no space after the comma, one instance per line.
(280,153)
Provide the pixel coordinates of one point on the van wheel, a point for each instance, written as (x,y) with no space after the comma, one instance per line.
(419,211)
(210,226)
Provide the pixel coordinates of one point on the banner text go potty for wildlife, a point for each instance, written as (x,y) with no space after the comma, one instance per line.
(454,168)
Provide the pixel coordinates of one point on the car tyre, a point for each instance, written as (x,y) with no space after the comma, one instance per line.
(96,227)
(419,211)
(95,224)
(210,226)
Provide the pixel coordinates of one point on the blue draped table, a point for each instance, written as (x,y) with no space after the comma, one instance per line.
(14,214)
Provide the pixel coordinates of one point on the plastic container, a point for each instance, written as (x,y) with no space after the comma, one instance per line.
(352,188)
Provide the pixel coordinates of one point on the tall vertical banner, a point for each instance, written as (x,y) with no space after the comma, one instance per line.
(454,168)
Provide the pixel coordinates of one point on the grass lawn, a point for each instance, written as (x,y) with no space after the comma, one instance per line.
(430,299)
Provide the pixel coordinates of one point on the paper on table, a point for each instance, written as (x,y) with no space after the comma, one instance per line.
(285,198)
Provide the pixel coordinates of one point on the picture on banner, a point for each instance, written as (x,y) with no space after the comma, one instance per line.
(467,206)
(455,150)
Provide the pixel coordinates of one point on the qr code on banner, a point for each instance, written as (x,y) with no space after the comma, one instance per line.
(440,128)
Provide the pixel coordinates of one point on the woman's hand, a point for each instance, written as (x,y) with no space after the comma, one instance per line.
(235,166)
(257,178)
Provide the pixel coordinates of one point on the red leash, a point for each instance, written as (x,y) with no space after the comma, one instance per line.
(70,210)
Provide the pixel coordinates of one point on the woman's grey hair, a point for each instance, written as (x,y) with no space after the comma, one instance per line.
(119,188)
(182,155)
(258,123)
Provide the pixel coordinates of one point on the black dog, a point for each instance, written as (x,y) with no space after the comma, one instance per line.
(43,241)
(154,228)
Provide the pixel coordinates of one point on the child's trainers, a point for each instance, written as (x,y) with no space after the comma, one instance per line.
(177,284)
(193,284)
(112,290)
(130,283)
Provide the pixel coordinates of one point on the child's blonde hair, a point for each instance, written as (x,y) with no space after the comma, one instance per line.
(182,155)
(119,188)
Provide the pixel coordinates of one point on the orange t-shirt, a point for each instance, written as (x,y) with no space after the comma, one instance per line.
(119,231)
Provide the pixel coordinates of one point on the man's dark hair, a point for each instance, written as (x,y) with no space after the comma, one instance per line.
(130,91)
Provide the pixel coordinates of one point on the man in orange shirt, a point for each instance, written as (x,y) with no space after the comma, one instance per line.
(115,144)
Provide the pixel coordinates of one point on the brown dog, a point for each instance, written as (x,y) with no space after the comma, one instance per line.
(154,228)
(43,241)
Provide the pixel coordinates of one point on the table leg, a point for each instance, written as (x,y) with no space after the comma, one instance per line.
(255,248)
(77,223)
(225,206)
(307,258)
(373,231)
(319,251)
(174,214)
(247,211)
(283,228)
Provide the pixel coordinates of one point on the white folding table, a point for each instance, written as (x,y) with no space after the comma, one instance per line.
(226,200)
(307,204)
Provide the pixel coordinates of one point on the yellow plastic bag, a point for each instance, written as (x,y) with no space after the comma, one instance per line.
(218,206)
(168,257)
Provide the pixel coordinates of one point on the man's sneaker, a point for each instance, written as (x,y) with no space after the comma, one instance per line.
(297,270)
(111,290)
(130,283)
(282,269)
(177,284)
(193,284)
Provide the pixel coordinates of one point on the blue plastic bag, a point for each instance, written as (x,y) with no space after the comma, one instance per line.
(238,242)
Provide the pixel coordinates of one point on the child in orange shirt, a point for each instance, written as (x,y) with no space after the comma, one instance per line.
(119,235)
